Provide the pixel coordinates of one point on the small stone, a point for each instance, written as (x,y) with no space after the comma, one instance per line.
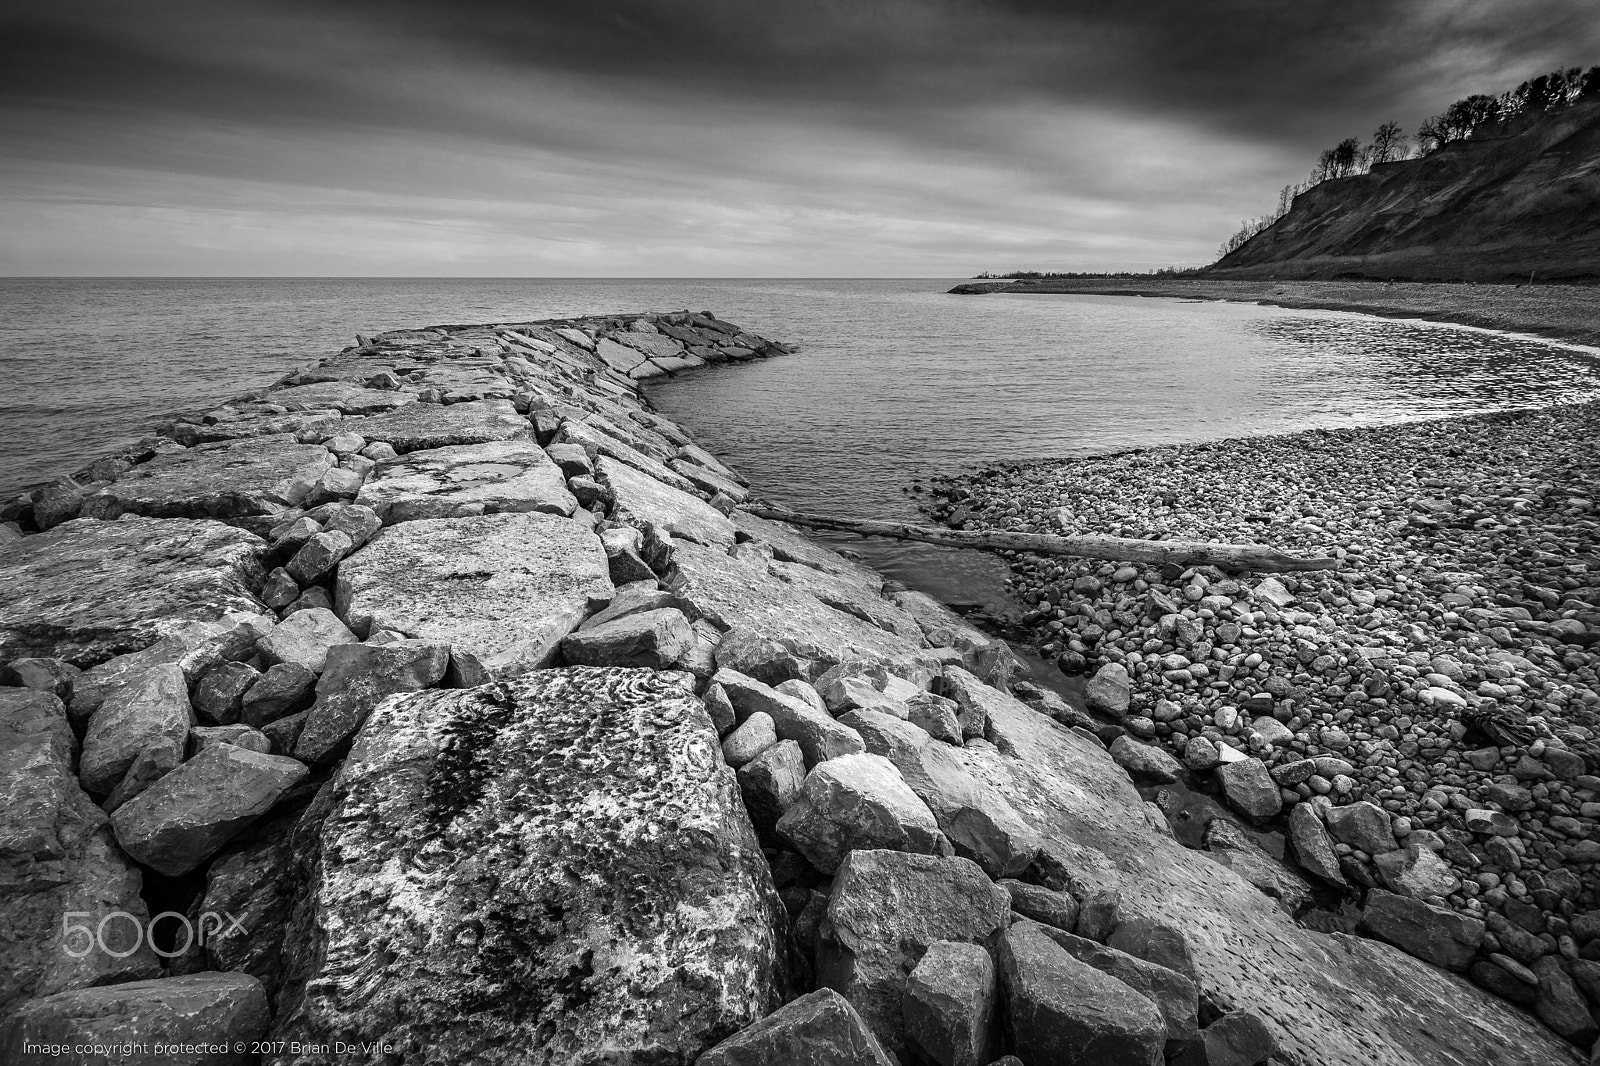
(1487,822)
(240,736)
(1363,825)
(771,782)
(1312,848)
(754,736)
(654,639)
(818,1029)
(356,678)
(949,1005)
(304,639)
(182,820)
(859,801)
(317,558)
(1145,761)
(1250,788)
(276,693)
(1044,905)
(1110,691)
(1416,871)
(219,696)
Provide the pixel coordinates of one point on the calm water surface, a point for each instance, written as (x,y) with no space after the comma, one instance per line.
(895,379)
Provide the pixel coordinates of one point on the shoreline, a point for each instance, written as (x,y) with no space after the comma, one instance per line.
(1456,596)
(1568,313)
(450,655)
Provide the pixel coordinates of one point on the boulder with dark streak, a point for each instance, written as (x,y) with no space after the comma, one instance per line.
(530,871)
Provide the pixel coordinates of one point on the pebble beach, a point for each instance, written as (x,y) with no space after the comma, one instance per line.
(1467,591)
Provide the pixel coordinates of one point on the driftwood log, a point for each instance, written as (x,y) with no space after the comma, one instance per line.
(1256,557)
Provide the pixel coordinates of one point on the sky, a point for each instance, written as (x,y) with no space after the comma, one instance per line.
(704,138)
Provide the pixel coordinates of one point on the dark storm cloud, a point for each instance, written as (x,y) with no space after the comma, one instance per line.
(652,133)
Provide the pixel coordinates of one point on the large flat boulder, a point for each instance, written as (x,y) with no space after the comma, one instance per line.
(549,869)
(57,859)
(661,511)
(229,479)
(740,591)
(88,590)
(210,1018)
(1327,998)
(502,590)
(345,396)
(420,426)
(467,479)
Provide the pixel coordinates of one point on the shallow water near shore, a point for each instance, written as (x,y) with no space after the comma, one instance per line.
(895,380)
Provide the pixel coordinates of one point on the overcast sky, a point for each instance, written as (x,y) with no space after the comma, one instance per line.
(703,137)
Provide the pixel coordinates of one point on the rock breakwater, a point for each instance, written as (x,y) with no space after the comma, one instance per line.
(439,704)
(1422,724)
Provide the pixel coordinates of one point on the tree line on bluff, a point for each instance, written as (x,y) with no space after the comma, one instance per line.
(1478,115)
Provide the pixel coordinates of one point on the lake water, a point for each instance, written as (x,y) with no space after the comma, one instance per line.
(895,379)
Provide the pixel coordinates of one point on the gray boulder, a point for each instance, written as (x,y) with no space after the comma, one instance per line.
(154,708)
(660,511)
(1110,691)
(155,761)
(219,695)
(858,801)
(277,693)
(502,590)
(1238,1038)
(464,480)
(820,736)
(133,583)
(420,426)
(1145,762)
(771,782)
(230,479)
(514,837)
(936,716)
(1417,871)
(356,678)
(1176,996)
(238,734)
(304,639)
(180,821)
(635,598)
(1045,905)
(1363,825)
(886,909)
(57,859)
(979,823)
(1312,848)
(655,639)
(1249,788)
(818,1029)
(949,1005)
(317,557)
(754,736)
(1433,934)
(151,1018)
(1067,1013)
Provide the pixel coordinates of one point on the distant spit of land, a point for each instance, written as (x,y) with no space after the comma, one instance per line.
(1564,312)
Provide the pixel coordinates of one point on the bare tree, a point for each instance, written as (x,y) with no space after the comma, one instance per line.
(1346,154)
(1387,144)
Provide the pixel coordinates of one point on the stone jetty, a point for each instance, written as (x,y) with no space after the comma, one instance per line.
(440,704)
